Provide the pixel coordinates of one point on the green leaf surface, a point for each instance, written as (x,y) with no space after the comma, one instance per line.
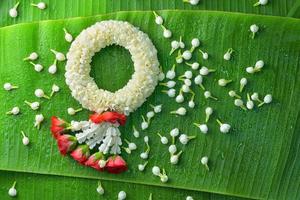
(35,186)
(258,159)
(58,9)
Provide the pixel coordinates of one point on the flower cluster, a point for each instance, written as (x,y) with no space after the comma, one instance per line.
(92,40)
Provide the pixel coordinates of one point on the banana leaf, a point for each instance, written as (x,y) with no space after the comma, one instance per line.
(258,159)
(58,9)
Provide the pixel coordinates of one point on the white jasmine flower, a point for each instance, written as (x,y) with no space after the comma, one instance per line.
(174,132)
(163,139)
(184,139)
(179,97)
(195,43)
(169,84)
(223,82)
(181,43)
(145,124)
(157,108)
(207,95)
(9,86)
(192,2)
(204,161)
(267,100)
(175,158)
(180,111)
(141,167)
(40,94)
(224,128)
(37,67)
(55,88)
(25,139)
(32,56)
(249,103)
(163,176)
(239,103)
(38,120)
(261,2)
(259,65)
(158,19)
(250,70)
(198,81)
(187,74)
(33,105)
(58,55)
(186,55)
(179,58)
(155,171)
(161,75)
(150,115)
(171,92)
(243,82)
(171,73)
(135,132)
(100,189)
(204,54)
(144,155)
(205,71)
(254,29)
(208,113)
(187,82)
(172,149)
(191,103)
(227,55)
(13,12)
(72,111)
(194,65)
(232,93)
(131,146)
(40,5)
(122,195)
(167,33)
(68,36)
(12,191)
(53,68)
(14,111)
(203,127)
(189,198)
(174,46)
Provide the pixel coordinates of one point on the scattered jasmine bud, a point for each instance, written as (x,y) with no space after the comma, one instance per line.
(185,88)
(25,139)
(40,94)
(227,55)
(243,82)
(267,100)
(132,146)
(150,115)
(158,19)
(53,68)
(68,36)
(175,158)
(171,73)
(144,124)
(100,189)
(203,127)
(249,103)
(13,12)
(179,57)
(9,86)
(157,108)
(204,161)
(172,149)
(102,163)
(261,2)
(155,171)
(58,55)
(37,67)
(141,167)
(167,33)
(232,93)
(194,65)
(135,132)
(195,43)
(174,133)
(163,139)
(255,97)
(223,82)
(12,191)
(184,139)
(239,103)
(187,74)
(224,128)
(161,75)
(186,55)
(55,89)
(189,198)
(250,70)
(208,95)
(171,92)
(254,29)
(169,84)
(179,98)
(72,111)
(33,56)
(204,54)
(198,81)
(187,82)
(191,103)
(180,111)
(174,45)
(122,195)
(163,176)
(144,155)
(208,113)
(40,5)
(192,2)
(205,71)
(14,111)
(181,44)
(38,120)
(259,65)
(33,105)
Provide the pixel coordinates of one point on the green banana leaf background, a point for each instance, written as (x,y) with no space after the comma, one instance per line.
(258,159)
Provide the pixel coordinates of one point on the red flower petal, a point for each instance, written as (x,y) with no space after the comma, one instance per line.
(66,143)
(93,161)
(111,117)
(116,165)
(81,154)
